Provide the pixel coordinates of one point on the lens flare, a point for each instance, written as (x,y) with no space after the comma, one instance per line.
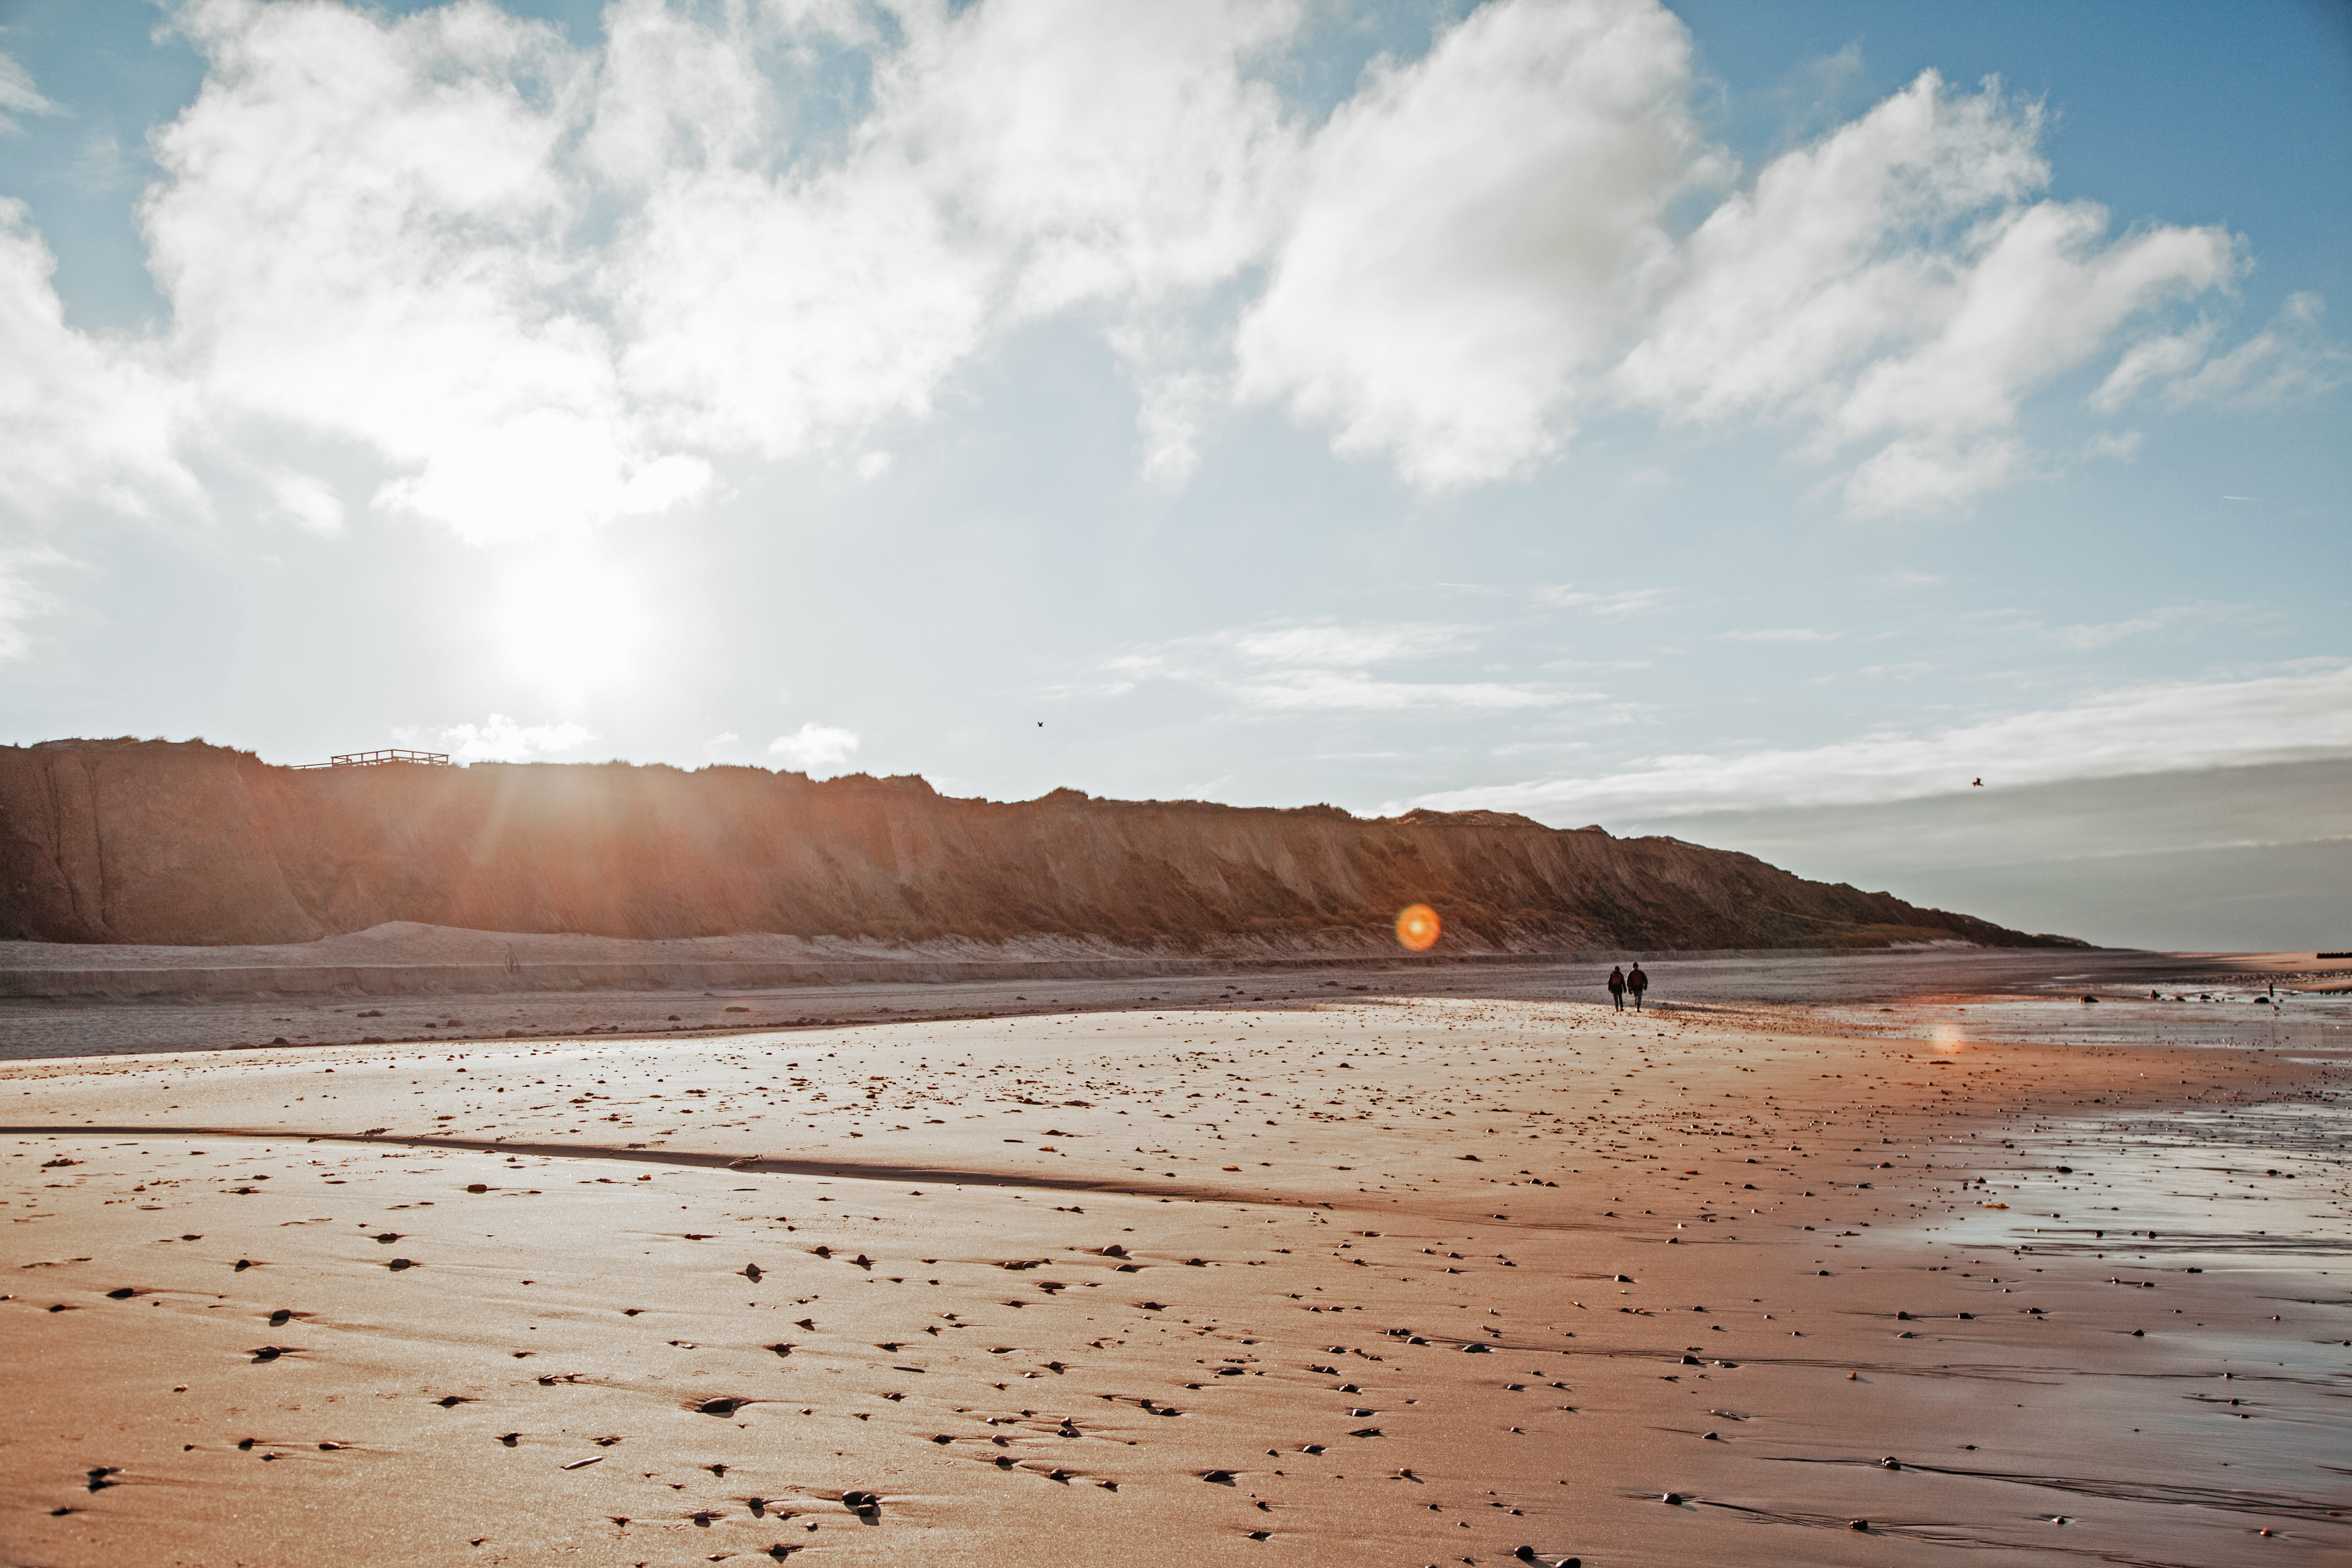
(1417,927)
(1949,1039)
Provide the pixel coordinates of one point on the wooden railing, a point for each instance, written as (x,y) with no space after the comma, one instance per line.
(377,759)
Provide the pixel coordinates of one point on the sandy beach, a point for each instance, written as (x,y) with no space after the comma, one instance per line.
(1351,1279)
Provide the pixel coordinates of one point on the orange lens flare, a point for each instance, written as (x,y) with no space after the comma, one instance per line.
(1417,927)
(1949,1039)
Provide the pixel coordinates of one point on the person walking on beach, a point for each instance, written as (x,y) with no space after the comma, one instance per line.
(1617,988)
(1637,983)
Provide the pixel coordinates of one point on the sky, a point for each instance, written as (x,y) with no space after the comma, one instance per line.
(1751,423)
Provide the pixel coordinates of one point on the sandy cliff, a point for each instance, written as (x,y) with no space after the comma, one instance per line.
(127,841)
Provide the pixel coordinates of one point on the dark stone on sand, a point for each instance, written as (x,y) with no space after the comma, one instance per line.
(1890,1463)
(1672,1499)
(721,1406)
(97,1478)
(123,1295)
(242,1264)
(1218,1478)
(1863,1523)
(510,1438)
(451,1401)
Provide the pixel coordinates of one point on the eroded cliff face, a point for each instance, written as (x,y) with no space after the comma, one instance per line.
(129,841)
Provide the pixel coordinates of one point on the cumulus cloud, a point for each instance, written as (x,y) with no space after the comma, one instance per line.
(544,286)
(498,739)
(1894,283)
(1472,230)
(2159,728)
(815,748)
(82,420)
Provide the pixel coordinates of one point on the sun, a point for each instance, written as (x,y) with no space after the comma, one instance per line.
(571,624)
(1417,926)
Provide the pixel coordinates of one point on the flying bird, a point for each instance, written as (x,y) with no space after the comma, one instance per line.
(1977,785)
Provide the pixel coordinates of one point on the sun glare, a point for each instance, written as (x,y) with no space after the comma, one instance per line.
(1949,1039)
(1417,927)
(571,624)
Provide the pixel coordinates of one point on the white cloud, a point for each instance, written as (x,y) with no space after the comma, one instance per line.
(1893,284)
(364,233)
(2159,728)
(1780,634)
(2088,636)
(1913,474)
(548,286)
(2287,361)
(499,739)
(814,746)
(82,420)
(2163,358)
(1321,668)
(307,500)
(22,600)
(18,95)
(1613,606)
(1330,691)
(1483,252)
(1472,231)
(1336,645)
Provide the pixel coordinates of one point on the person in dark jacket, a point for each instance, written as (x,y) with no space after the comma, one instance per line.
(1617,988)
(1637,983)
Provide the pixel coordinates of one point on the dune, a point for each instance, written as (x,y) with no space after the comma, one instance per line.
(1362,1278)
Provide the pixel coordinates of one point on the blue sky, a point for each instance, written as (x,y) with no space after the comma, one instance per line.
(1748,423)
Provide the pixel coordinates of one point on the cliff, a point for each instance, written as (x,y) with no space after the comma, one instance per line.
(185,843)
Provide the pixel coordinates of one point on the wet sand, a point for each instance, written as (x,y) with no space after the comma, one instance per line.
(1382,1279)
(2003,994)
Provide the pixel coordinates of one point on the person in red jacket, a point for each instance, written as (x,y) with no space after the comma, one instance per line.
(1617,988)
(1637,983)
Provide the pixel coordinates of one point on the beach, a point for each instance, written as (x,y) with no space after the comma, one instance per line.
(1362,1276)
